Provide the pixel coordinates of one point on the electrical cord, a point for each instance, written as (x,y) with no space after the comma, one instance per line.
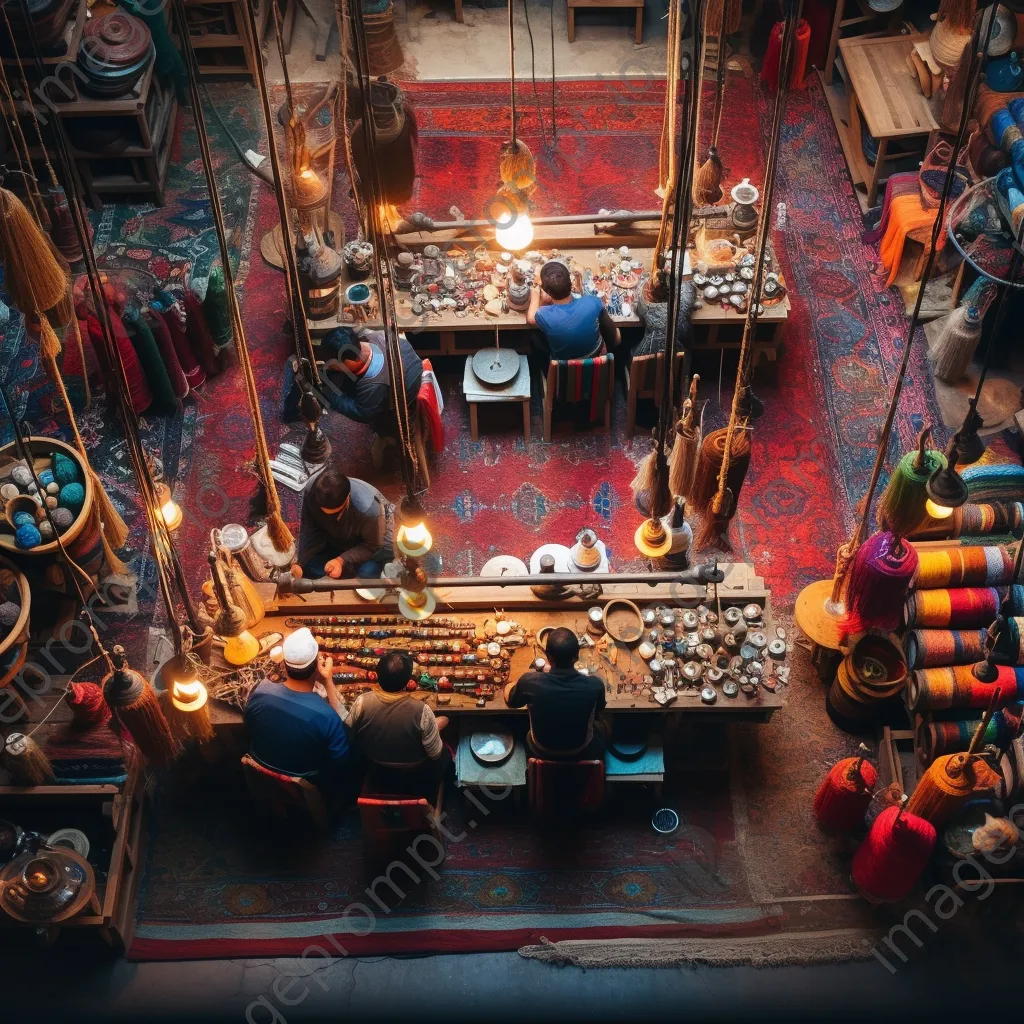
(533,74)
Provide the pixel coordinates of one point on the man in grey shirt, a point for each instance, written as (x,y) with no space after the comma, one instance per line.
(347,528)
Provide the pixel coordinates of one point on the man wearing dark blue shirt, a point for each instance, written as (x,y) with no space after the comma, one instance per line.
(572,328)
(293,730)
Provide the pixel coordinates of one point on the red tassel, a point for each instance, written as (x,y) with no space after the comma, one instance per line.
(199,334)
(843,798)
(878,583)
(893,856)
(176,375)
(88,708)
(174,319)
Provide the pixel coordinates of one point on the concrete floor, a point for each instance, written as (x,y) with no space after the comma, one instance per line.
(937,982)
(437,48)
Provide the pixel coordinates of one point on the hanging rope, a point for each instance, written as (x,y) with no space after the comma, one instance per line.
(346,64)
(667,151)
(761,245)
(277,530)
(515,165)
(20,146)
(380,236)
(707,183)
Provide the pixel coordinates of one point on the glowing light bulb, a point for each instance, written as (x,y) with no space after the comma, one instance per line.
(414,541)
(516,234)
(241,649)
(172,514)
(188,696)
(937,511)
(416,605)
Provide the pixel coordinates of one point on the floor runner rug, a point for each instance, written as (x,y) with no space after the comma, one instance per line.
(746,860)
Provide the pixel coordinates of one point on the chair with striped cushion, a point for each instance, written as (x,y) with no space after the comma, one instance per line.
(644,380)
(580,380)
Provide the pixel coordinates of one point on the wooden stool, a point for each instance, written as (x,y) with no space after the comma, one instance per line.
(638,4)
(644,380)
(275,793)
(517,390)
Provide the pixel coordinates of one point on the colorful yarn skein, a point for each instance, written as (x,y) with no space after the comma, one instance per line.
(893,856)
(934,648)
(983,565)
(844,795)
(878,582)
(937,738)
(960,608)
(1000,481)
(956,686)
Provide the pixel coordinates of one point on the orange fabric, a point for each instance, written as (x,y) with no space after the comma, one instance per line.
(906,214)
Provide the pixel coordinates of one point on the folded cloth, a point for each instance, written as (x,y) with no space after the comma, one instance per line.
(1000,481)
(902,184)
(906,214)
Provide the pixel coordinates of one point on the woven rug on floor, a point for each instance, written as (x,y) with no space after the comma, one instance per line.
(746,861)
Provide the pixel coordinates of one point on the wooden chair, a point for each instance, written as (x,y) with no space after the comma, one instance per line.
(645,380)
(389,822)
(580,380)
(561,790)
(276,793)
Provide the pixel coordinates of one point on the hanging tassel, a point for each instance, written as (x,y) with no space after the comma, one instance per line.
(958,14)
(62,227)
(954,348)
(516,167)
(277,529)
(877,583)
(135,706)
(893,856)
(714,523)
(34,276)
(901,509)
(950,781)
(707,182)
(88,708)
(176,375)
(843,798)
(643,482)
(215,308)
(25,762)
(683,457)
(199,334)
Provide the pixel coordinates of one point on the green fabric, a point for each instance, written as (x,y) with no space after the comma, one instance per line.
(215,308)
(148,351)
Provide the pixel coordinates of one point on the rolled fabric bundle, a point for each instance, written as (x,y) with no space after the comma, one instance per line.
(996,517)
(173,317)
(1011,770)
(997,481)
(158,328)
(1001,123)
(933,648)
(984,565)
(902,184)
(961,608)
(906,214)
(950,737)
(1015,108)
(1011,199)
(955,686)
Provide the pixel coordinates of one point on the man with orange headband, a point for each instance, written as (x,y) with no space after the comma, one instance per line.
(347,528)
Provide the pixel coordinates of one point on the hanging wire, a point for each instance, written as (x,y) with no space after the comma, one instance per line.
(533,76)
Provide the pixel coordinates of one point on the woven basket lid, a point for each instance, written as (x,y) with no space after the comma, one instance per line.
(117,39)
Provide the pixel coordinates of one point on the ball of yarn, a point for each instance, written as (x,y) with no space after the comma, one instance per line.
(21,475)
(893,856)
(40,513)
(8,491)
(53,488)
(27,536)
(23,518)
(62,518)
(51,502)
(65,471)
(843,797)
(9,586)
(72,496)
(46,477)
(9,613)
(45,530)
(32,487)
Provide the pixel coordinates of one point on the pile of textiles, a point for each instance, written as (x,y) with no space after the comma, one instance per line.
(904,215)
(88,757)
(164,343)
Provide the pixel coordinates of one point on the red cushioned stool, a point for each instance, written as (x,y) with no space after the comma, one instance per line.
(564,789)
(275,793)
(391,822)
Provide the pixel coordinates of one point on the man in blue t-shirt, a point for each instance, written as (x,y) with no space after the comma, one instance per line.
(292,729)
(572,328)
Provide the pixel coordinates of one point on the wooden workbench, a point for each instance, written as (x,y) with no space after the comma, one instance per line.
(714,327)
(478,604)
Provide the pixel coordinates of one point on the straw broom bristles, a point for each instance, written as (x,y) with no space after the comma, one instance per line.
(516,167)
(707,182)
(683,458)
(25,762)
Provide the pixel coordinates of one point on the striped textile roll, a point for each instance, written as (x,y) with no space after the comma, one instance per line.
(936,689)
(1000,481)
(959,566)
(961,608)
(933,648)
(937,738)
(994,517)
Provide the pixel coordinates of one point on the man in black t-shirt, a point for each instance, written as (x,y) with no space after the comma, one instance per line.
(563,704)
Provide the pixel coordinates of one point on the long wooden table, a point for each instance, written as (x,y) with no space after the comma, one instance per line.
(714,327)
(479,604)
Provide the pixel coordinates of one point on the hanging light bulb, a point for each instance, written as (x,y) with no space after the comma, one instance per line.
(513,229)
(946,489)
(416,605)
(170,510)
(414,540)
(188,696)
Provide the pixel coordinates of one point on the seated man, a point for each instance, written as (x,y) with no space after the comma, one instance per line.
(563,704)
(293,730)
(572,328)
(398,734)
(358,382)
(347,528)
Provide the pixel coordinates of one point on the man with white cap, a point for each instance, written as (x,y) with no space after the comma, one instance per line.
(292,729)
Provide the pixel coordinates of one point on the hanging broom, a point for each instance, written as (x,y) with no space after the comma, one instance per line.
(706,481)
(901,509)
(25,762)
(88,708)
(643,483)
(135,706)
(844,795)
(683,458)
(515,164)
(891,859)
(707,182)
(954,348)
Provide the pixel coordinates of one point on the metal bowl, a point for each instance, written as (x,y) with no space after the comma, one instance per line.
(492,747)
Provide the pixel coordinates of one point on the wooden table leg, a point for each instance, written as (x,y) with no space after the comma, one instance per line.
(526,421)
(474,424)
(458,11)
(572,24)
(447,340)
(639,25)
(876,172)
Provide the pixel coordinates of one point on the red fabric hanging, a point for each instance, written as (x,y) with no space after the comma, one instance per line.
(770,67)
